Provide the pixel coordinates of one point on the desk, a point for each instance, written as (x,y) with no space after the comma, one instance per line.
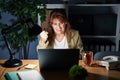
(95,73)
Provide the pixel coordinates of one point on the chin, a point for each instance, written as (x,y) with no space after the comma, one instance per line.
(59,32)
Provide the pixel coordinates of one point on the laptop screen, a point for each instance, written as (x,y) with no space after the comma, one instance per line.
(58,59)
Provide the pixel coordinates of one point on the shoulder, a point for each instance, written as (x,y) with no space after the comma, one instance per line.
(74,32)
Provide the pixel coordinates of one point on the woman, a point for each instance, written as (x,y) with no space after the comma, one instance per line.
(59,34)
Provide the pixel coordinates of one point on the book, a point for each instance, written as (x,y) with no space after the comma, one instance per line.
(24,75)
(110,64)
(11,76)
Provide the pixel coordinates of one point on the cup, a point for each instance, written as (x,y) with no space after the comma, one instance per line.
(87,58)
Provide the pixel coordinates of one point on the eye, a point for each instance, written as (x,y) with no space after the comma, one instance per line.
(62,23)
(54,23)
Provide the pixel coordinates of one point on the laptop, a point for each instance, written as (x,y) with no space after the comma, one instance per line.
(58,59)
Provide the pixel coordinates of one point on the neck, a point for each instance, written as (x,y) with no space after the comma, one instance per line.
(59,37)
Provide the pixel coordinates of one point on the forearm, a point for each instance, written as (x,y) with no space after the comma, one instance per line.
(42,45)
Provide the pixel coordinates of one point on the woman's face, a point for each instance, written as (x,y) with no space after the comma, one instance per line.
(58,27)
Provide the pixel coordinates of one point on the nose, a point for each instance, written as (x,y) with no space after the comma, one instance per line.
(59,24)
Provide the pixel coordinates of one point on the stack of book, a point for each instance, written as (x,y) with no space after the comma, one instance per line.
(110,64)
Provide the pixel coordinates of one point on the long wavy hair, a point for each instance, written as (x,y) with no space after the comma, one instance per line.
(57,14)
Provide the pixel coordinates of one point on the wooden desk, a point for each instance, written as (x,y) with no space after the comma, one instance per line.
(95,73)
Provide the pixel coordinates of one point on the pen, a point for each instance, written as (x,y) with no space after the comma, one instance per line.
(21,67)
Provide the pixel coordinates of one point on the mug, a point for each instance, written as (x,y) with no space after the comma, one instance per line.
(87,58)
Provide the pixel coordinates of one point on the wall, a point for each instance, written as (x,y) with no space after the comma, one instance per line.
(94,20)
(105,20)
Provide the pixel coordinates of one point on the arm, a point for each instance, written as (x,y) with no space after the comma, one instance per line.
(43,43)
(77,42)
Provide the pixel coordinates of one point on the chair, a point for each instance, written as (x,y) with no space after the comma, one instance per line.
(100,55)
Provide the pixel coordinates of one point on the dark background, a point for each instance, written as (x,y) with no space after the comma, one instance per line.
(95,21)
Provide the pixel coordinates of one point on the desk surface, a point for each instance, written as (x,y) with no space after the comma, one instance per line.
(95,72)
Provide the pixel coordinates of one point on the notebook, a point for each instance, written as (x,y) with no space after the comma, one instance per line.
(24,75)
(58,59)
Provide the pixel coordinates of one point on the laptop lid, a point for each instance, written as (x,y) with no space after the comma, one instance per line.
(58,59)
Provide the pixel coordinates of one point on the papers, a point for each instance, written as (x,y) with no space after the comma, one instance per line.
(30,66)
(30,75)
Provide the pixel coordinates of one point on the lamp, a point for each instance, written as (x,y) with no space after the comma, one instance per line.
(33,30)
(12,62)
